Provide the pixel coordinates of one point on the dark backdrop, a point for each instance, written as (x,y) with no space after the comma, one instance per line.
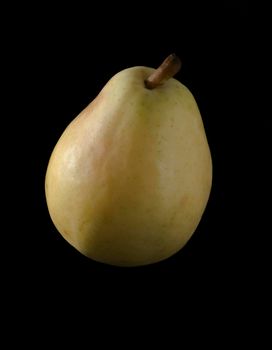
(66,57)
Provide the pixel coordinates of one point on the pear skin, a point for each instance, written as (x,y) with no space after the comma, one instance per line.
(130,177)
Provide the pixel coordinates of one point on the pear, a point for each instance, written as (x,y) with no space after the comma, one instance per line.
(130,177)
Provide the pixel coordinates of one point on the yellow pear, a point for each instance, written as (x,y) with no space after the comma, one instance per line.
(130,177)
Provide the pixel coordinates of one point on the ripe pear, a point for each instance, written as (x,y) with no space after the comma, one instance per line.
(130,177)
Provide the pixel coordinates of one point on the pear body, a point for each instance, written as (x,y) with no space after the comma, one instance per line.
(130,177)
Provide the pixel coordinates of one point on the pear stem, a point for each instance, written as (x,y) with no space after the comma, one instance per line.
(169,67)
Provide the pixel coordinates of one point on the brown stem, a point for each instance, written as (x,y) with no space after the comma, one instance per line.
(169,67)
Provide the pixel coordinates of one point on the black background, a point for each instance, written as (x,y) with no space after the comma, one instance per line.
(66,56)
